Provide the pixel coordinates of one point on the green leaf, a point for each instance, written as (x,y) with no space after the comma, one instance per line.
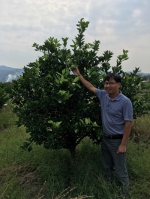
(87,121)
(76,79)
(63,71)
(57,124)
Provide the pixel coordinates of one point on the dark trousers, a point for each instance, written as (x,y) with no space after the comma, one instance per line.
(115,164)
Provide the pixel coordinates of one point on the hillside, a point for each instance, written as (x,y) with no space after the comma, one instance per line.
(7,74)
(52,174)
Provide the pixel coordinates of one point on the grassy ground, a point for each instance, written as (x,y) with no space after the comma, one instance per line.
(51,174)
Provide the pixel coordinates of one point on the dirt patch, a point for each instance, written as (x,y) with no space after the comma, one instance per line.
(27,180)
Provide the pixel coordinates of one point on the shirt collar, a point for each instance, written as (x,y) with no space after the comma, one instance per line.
(116,98)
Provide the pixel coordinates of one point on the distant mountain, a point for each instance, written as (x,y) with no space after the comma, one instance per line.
(2,67)
(143,74)
(140,73)
(7,74)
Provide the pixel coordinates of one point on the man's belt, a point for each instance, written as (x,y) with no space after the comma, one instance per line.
(118,136)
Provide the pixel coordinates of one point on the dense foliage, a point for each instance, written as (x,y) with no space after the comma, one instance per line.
(56,109)
(3,95)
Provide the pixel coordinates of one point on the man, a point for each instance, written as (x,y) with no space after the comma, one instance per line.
(116,115)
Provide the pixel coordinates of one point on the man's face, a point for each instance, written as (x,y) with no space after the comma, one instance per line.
(111,86)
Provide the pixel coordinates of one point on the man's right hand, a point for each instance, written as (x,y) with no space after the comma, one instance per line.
(76,71)
(86,83)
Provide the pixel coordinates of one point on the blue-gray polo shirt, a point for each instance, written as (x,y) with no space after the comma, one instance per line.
(114,112)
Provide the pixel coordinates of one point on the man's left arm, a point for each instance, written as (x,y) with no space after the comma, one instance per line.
(126,134)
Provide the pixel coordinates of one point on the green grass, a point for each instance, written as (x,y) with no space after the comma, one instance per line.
(51,174)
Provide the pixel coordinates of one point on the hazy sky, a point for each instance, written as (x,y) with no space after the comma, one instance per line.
(118,24)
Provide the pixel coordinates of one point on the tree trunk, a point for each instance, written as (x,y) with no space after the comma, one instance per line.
(72,152)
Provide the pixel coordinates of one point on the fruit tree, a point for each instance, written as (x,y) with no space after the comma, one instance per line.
(57,111)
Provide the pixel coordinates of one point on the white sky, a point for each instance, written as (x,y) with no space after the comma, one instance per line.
(118,24)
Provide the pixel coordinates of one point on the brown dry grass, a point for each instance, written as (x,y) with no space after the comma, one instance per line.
(27,181)
(141,129)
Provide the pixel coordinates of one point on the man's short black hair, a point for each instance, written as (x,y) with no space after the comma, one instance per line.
(114,76)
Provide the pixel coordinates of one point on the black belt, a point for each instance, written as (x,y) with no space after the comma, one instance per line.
(113,136)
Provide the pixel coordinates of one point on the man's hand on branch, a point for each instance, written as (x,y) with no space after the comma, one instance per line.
(76,71)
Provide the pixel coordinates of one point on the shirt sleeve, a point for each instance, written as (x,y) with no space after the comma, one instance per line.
(128,110)
(99,93)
